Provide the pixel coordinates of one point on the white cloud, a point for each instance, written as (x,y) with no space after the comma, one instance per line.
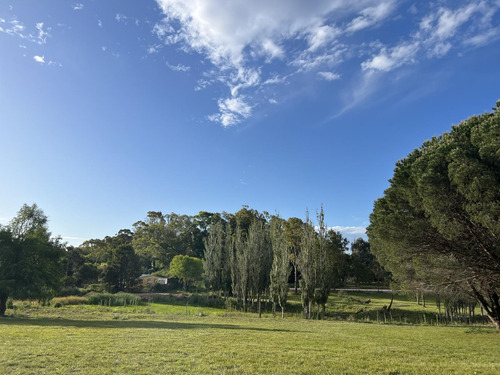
(449,21)
(273,101)
(438,33)
(388,60)
(120,17)
(239,37)
(40,59)
(329,76)
(488,36)
(78,6)
(42,34)
(241,42)
(371,16)
(321,36)
(349,231)
(271,50)
(231,111)
(99,23)
(178,67)
(17,28)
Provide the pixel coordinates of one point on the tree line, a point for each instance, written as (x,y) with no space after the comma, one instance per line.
(248,255)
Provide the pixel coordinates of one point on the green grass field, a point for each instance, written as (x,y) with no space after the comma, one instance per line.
(175,338)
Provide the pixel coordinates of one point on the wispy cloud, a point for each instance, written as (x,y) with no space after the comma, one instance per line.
(16,28)
(371,16)
(78,6)
(41,60)
(120,17)
(437,34)
(329,76)
(231,111)
(178,67)
(238,40)
(240,43)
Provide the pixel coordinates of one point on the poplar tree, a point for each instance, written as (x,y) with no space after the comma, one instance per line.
(324,264)
(307,265)
(214,257)
(280,268)
(241,266)
(260,256)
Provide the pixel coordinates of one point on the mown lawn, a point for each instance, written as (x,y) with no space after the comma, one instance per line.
(163,339)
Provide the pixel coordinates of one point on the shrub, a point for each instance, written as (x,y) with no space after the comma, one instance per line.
(10,303)
(57,305)
(97,287)
(72,291)
(70,300)
(108,299)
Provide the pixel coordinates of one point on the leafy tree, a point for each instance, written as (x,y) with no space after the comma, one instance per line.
(438,225)
(260,255)
(241,266)
(187,269)
(341,260)
(280,268)
(324,263)
(120,273)
(80,271)
(30,259)
(364,266)
(293,235)
(215,262)
(154,241)
(29,219)
(307,265)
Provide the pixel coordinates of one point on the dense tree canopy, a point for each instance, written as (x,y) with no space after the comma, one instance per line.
(30,259)
(438,225)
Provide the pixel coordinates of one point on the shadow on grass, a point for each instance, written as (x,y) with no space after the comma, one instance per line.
(147,324)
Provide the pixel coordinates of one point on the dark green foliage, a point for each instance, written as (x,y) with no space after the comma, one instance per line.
(364,267)
(30,259)
(122,269)
(438,225)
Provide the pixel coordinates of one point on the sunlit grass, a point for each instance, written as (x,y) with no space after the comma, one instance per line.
(172,339)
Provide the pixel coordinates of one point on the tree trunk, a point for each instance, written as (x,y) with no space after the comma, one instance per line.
(283,312)
(274,309)
(493,310)
(258,302)
(390,305)
(295,279)
(3,304)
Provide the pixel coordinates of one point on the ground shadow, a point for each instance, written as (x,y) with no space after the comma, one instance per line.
(148,324)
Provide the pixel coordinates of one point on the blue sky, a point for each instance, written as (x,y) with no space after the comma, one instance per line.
(110,109)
